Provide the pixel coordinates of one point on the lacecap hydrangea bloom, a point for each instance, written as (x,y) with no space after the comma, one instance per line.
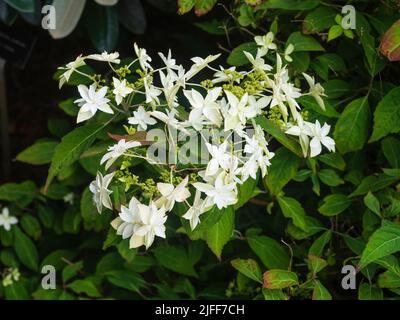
(222,111)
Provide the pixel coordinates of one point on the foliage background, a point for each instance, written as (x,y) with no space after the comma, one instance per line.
(309,217)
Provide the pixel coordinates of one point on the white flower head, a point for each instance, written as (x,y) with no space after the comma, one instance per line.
(106,57)
(92,100)
(152,220)
(117,150)
(196,210)
(220,194)
(70,68)
(6,221)
(129,219)
(101,193)
(316,90)
(266,42)
(171,194)
(141,118)
(258,62)
(320,137)
(143,57)
(121,90)
(200,64)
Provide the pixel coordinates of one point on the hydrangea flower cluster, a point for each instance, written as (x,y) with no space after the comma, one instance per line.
(227,105)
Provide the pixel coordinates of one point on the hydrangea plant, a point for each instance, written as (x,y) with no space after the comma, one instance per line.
(203,136)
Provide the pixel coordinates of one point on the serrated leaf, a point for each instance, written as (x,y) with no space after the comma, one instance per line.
(249,268)
(271,253)
(352,129)
(383,242)
(279,279)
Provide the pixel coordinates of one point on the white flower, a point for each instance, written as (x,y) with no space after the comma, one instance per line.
(168,61)
(129,219)
(220,158)
(91,101)
(69,198)
(152,222)
(117,150)
(303,131)
(151,92)
(70,68)
(196,210)
(107,57)
(6,221)
(204,106)
(257,106)
(143,57)
(171,194)
(141,118)
(266,42)
(199,64)
(220,194)
(101,194)
(238,112)
(121,90)
(316,90)
(224,76)
(320,136)
(169,119)
(257,61)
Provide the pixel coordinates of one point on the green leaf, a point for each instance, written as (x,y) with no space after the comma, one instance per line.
(103,27)
(316,264)
(292,4)
(274,294)
(389,280)
(71,270)
(249,268)
(310,103)
(301,60)
(23,193)
(319,20)
(126,279)
(320,292)
(31,226)
(22,5)
(213,27)
(284,166)
(220,233)
(317,248)
(85,286)
(203,6)
(174,258)
(372,203)
(58,258)
(247,191)
(330,177)
(292,209)
(279,135)
(16,291)
(71,147)
(337,88)
(391,150)
(279,279)
(185,6)
(335,32)
(25,250)
(271,253)
(333,159)
(334,204)
(39,153)
(369,292)
(237,57)
(383,242)
(387,116)
(352,128)
(373,183)
(303,43)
